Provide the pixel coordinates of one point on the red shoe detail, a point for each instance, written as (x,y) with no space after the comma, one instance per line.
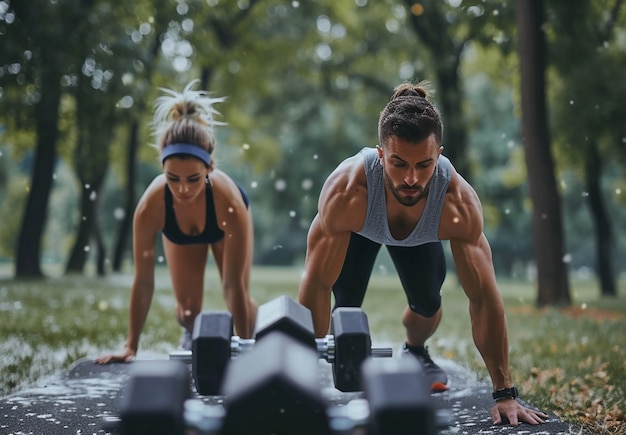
(438,387)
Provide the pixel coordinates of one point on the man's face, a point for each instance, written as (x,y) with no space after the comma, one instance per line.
(408,168)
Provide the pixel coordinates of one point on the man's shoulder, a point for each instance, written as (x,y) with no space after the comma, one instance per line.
(347,178)
(344,194)
(459,190)
(461,215)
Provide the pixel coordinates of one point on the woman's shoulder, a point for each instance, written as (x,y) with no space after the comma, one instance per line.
(220,176)
(222,182)
(225,188)
(231,204)
(156,186)
(152,199)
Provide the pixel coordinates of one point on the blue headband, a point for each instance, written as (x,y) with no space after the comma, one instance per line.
(185,148)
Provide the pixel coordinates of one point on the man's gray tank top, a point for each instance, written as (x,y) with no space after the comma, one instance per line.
(376,226)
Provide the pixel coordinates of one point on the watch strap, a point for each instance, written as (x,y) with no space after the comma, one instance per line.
(505,393)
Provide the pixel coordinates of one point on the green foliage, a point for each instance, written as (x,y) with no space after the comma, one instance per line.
(497,155)
(323,108)
(305,82)
(582,114)
(587,96)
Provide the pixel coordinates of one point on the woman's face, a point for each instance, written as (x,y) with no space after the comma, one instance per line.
(185,177)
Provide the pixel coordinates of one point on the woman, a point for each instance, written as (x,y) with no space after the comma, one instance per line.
(195,206)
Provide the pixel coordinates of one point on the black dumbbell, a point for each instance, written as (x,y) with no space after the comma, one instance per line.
(286,315)
(211,348)
(345,349)
(352,345)
(281,395)
(275,389)
(153,399)
(398,396)
(213,344)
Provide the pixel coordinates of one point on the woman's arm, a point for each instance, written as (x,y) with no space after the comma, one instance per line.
(147,222)
(235,250)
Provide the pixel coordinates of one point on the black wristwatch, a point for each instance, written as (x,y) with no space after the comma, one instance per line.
(505,393)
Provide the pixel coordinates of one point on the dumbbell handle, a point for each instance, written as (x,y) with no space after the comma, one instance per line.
(325,349)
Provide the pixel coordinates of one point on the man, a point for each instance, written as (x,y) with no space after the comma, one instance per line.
(406,195)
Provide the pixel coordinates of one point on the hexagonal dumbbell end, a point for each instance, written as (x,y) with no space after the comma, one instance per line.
(274,389)
(154,397)
(399,397)
(288,316)
(353,345)
(211,350)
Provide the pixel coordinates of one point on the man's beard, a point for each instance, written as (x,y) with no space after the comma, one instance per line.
(409,201)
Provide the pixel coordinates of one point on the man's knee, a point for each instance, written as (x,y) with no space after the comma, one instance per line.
(427,310)
(348,297)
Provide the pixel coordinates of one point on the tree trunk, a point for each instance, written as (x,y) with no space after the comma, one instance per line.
(95,116)
(582,33)
(125,227)
(96,231)
(78,256)
(28,250)
(605,247)
(88,224)
(553,286)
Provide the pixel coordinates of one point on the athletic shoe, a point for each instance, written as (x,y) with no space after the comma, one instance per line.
(435,374)
(185,340)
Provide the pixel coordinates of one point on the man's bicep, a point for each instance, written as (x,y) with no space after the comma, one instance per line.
(326,252)
(474,266)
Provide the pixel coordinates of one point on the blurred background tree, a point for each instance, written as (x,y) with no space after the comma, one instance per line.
(589,126)
(305,83)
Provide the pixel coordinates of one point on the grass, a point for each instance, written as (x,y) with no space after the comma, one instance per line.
(570,361)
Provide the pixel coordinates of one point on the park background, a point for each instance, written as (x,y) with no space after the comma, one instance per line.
(531,94)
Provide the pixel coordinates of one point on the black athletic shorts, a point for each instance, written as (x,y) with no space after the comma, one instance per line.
(422,270)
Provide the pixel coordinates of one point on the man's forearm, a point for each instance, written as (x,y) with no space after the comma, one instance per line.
(316,299)
(489,330)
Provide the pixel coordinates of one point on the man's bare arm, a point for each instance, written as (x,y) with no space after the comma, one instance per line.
(489,329)
(341,210)
(324,260)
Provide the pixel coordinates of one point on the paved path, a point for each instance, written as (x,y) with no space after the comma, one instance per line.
(76,402)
